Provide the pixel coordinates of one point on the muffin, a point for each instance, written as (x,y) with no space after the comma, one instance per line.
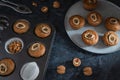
(76,62)
(112,24)
(94,18)
(90,37)
(87,71)
(14,45)
(43,30)
(21,26)
(7,66)
(36,50)
(90,4)
(76,22)
(110,38)
(61,69)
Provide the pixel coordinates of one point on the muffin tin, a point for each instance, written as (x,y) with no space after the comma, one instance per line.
(21,58)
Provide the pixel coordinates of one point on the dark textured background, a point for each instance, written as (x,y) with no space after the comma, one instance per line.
(105,67)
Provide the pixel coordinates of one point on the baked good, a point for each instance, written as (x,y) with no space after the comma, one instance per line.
(61,69)
(90,37)
(94,18)
(36,50)
(7,66)
(110,38)
(44,9)
(43,30)
(87,71)
(76,22)
(90,4)
(35,4)
(112,24)
(14,45)
(76,62)
(21,26)
(56,4)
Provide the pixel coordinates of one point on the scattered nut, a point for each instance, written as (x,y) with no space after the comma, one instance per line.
(3,68)
(113,21)
(14,47)
(89,36)
(45,30)
(56,4)
(35,46)
(34,4)
(94,17)
(76,21)
(112,38)
(76,62)
(87,71)
(61,69)
(20,26)
(44,9)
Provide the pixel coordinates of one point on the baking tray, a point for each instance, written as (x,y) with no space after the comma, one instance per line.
(28,38)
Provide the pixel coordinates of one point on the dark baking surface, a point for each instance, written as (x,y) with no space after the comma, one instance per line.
(28,39)
(105,67)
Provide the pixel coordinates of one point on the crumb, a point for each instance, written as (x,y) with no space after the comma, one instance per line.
(76,62)
(56,4)
(61,69)
(87,71)
(44,9)
(34,4)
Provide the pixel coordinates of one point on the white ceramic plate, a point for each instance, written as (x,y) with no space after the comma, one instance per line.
(106,9)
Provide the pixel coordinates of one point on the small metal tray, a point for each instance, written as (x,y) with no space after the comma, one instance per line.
(28,38)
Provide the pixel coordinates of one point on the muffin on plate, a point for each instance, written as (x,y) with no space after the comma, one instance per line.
(94,18)
(21,26)
(7,66)
(90,4)
(112,24)
(110,38)
(36,50)
(76,22)
(90,37)
(43,30)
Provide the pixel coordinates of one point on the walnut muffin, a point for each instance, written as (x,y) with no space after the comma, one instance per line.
(112,24)
(94,18)
(90,37)
(76,22)
(110,38)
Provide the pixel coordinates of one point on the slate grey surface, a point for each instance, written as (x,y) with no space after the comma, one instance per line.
(105,67)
